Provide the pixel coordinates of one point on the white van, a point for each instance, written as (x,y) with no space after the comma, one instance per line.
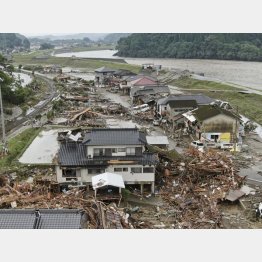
(198,145)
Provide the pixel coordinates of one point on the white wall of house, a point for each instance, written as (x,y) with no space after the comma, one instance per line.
(129,177)
(161,109)
(90,149)
(220,123)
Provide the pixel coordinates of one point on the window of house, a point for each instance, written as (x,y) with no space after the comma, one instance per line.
(165,108)
(214,137)
(121,150)
(95,171)
(118,169)
(136,169)
(68,172)
(148,170)
(99,151)
(114,150)
(131,151)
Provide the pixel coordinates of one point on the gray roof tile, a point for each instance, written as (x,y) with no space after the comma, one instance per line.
(74,154)
(114,136)
(200,99)
(48,219)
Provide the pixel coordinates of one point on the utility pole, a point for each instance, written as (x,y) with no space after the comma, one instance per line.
(235,142)
(3,120)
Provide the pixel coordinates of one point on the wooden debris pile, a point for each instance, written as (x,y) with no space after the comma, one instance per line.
(41,196)
(204,180)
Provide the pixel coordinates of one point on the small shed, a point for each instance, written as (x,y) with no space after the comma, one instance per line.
(107,179)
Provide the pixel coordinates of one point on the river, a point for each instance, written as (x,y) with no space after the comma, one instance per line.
(243,73)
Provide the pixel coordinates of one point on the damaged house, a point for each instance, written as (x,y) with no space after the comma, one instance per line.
(181,103)
(120,151)
(145,94)
(213,123)
(137,81)
(102,74)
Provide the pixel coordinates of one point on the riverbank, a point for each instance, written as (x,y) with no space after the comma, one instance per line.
(74,62)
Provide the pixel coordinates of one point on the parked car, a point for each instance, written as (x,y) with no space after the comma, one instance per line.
(198,145)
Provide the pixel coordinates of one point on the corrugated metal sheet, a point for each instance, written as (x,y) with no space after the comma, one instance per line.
(108,179)
(234,195)
(157,140)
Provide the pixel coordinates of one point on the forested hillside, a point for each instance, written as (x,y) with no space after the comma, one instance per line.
(12,41)
(226,46)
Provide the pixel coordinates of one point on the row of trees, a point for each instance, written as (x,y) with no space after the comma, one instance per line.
(17,96)
(200,45)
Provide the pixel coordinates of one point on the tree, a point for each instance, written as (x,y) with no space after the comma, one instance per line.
(46,46)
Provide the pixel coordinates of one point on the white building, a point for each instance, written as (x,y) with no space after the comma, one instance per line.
(119,151)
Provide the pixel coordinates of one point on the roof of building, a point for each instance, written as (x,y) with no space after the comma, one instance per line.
(107,179)
(148,90)
(182,103)
(74,154)
(157,140)
(114,136)
(200,99)
(204,112)
(144,81)
(40,219)
(104,69)
(139,76)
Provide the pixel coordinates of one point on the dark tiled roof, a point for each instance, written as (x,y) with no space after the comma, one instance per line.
(114,136)
(74,154)
(182,103)
(200,99)
(208,111)
(44,219)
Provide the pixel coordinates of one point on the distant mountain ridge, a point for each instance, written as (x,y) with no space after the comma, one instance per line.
(225,46)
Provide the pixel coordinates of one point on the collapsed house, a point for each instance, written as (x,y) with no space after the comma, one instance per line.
(102,74)
(140,94)
(120,151)
(213,123)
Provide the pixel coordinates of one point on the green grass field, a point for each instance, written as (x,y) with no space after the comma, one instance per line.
(17,145)
(87,64)
(191,83)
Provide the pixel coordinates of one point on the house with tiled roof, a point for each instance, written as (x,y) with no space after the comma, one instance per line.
(212,123)
(162,104)
(113,150)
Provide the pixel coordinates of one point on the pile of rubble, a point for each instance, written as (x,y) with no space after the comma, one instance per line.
(203,180)
(44,194)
